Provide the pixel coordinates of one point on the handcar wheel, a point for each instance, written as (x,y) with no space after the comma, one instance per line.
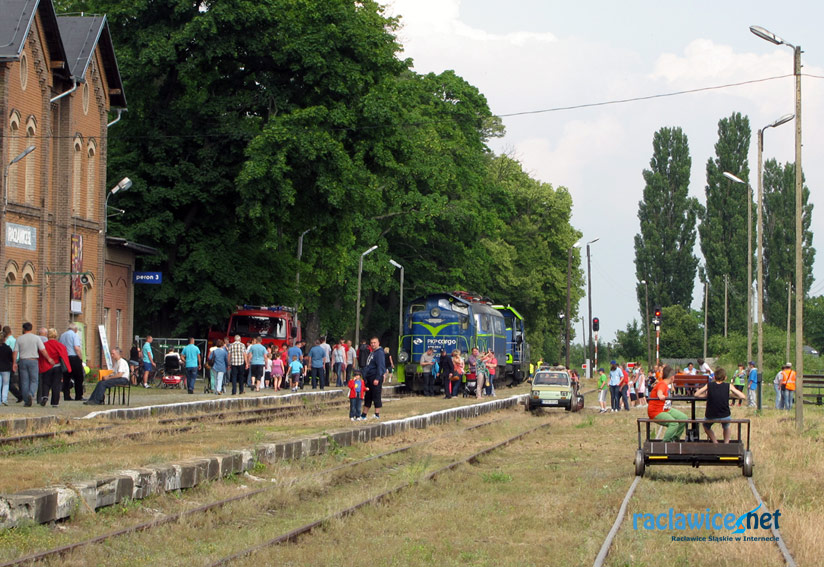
(748,464)
(639,463)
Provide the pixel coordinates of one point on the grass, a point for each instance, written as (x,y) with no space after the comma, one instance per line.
(549,499)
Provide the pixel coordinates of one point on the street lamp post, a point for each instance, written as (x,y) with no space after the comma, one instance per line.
(357,312)
(760,229)
(736,179)
(568,305)
(123,185)
(649,339)
(799,225)
(589,299)
(297,272)
(400,303)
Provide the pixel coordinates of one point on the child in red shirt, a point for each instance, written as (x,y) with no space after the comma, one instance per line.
(658,406)
(356,394)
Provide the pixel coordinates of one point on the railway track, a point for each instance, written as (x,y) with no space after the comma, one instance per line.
(157,427)
(605,547)
(61,551)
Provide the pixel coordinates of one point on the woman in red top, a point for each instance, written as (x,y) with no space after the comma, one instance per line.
(51,377)
(659,408)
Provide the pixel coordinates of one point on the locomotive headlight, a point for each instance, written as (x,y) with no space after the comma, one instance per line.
(403,357)
(435,312)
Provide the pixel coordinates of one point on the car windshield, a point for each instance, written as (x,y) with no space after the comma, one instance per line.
(253,326)
(551,379)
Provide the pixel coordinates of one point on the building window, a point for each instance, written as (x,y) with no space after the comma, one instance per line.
(24,71)
(14,150)
(31,130)
(27,299)
(11,286)
(91,181)
(85,98)
(76,175)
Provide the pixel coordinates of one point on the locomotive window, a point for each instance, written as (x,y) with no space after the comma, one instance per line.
(464,323)
(499,326)
(479,323)
(444,304)
(509,319)
(459,308)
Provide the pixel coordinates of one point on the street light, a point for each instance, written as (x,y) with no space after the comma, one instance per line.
(649,344)
(400,303)
(799,228)
(297,271)
(568,306)
(357,316)
(760,229)
(589,298)
(123,185)
(19,156)
(737,179)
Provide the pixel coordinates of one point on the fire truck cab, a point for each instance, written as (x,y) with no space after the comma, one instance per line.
(275,325)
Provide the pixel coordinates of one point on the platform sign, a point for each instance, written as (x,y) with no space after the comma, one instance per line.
(148,277)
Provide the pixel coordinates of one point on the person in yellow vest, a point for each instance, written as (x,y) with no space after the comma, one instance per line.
(788,386)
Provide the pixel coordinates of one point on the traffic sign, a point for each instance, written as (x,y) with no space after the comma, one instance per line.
(148,277)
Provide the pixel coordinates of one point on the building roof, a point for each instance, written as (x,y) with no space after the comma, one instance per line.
(117,242)
(16,20)
(80,35)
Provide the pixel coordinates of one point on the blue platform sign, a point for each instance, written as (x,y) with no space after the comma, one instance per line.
(148,277)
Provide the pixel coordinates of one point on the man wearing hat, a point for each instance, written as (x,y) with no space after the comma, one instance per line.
(787,386)
(752,384)
(779,398)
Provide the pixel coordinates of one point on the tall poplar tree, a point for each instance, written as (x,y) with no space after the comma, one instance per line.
(663,250)
(723,226)
(779,239)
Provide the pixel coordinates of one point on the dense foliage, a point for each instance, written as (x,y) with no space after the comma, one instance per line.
(664,249)
(723,228)
(250,123)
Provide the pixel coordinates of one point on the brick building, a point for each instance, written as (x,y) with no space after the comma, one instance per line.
(59,81)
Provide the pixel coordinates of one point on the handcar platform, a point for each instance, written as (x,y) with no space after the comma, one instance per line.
(694,451)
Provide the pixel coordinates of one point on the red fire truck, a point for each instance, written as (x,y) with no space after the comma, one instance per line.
(276,325)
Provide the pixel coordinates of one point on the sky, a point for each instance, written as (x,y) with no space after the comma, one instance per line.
(527,55)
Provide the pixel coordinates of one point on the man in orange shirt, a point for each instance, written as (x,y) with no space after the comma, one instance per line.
(659,408)
(788,386)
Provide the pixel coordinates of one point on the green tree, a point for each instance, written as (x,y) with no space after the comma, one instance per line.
(779,239)
(682,335)
(723,228)
(633,345)
(664,248)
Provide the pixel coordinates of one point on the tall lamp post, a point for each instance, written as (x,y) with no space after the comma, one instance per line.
(400,304)
(799,225)
(760,216)
(123,185)
(297,272)
(737,179)
(357,312)
(649,339)
(568,305)
(589,299)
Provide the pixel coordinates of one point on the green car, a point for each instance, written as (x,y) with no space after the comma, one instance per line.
(553,388)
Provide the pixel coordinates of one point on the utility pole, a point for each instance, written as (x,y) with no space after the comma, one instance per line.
(649,339)
(706,304)
(789,313)
(589,298)
(726,284)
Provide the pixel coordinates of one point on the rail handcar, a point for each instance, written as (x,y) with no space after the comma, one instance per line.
(517,349)
(449,321)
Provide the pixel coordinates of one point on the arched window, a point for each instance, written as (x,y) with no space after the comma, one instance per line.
(14,149)
(77,164)
(24,71)
(31,130)
(11,316)
(91,181)
(27,298)
(85,98)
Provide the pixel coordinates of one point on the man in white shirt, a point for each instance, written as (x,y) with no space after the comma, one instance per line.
(120,377)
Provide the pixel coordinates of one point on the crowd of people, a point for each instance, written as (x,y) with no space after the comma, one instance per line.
(474,376)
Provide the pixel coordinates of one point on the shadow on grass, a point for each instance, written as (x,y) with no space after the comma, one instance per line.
(682,478)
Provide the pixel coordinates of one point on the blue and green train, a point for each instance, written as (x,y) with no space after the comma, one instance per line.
(450,321)
(517,349)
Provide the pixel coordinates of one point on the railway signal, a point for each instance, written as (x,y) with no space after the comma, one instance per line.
(596,324)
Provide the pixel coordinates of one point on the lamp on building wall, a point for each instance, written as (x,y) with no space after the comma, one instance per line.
(123,185)
(20,156)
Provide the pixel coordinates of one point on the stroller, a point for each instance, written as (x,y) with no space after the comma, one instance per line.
(470,387)
(172,373)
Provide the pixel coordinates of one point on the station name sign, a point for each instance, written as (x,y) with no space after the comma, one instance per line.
(148,277)
(21,236)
